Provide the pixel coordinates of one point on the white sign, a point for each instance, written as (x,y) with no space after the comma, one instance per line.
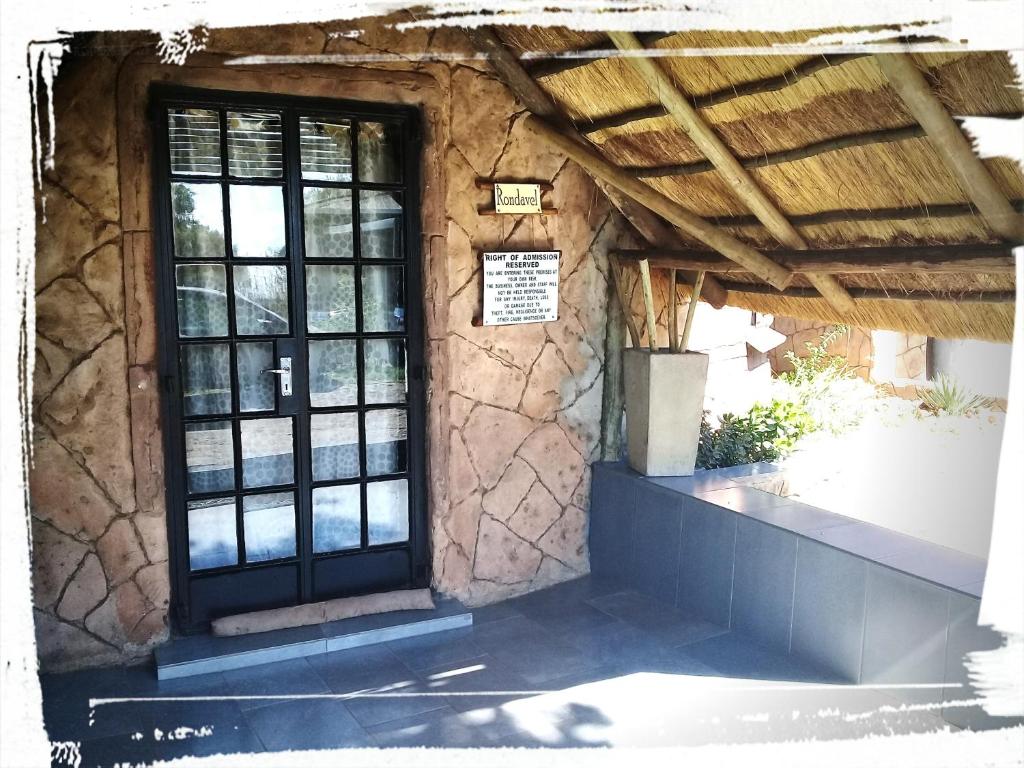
(520,287)
(517,198)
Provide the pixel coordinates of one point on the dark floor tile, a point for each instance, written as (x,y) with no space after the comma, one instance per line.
(568,616)
(109,751)
(654,566)
(437,648)
(166,716)
(660,621)
(392,701)
(612,505)
(443,728)
(307,724)
(494,612)
(496,635)
(359,668)
(237,740)
(494,679)
(737,656)
(282,678)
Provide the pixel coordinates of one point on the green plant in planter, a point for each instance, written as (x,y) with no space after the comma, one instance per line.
(948,396)
(765,433)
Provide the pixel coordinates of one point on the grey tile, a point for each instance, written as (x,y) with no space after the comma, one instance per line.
(484,682)
(307,724)
(496,635)
(762,601)
(360,668)
(654,568)
(235,740)
(221,716)
(744,499)
(738,656)
(864,539)
(828,608)
(941,565)
(66,711)
(973,590)
(432,650)
(904,633)
(542,658)
(706,562)
(797,517)
(715,479)
(494,612)
(199,654)
(373,705)
(612,503)
(572,616)
(659,621)
(110,751)
(444,728)
(965,636)
(285,678)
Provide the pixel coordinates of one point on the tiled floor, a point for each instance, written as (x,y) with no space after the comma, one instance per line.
(580,665)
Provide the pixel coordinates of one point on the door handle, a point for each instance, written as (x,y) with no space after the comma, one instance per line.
(285,372)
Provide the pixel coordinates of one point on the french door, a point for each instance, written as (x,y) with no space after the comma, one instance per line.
(291,349)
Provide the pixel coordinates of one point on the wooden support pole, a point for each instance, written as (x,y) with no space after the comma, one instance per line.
(969,258)
(673,321)
(615,267)
(691,310)
(734,174)
(729,246)
(612,392)
(645,284)
(512,74)
(951,144)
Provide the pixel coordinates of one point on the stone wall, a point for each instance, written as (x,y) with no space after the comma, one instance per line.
(513,412)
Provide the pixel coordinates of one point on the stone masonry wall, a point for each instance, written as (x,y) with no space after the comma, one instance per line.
(513,412)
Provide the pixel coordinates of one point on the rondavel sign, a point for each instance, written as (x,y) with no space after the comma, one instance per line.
(520,287)
(516,198)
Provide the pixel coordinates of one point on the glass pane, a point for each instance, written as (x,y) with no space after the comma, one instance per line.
(387,511)
(328,221)
(198,211)
(194,137)
(209,457)
(384,371)
(326,149)
(206,379)
(261,300)
(330,299)
(379,152)
(383,299)
(201,291)
(267,452)
(385,442)
(335,443)
(254,144)
(332,373)
(256,390)
(380,225)
(336,519)
(257,222)
(211,533)
(269,523)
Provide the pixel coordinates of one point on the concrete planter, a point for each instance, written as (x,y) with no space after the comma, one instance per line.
(664,403)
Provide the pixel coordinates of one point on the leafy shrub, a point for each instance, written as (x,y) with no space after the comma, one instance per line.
(765,433)
(818,369)
(948,396)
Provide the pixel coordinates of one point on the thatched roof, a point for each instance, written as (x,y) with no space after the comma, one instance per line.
(895,167)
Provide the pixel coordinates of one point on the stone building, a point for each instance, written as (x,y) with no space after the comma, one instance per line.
(151,425)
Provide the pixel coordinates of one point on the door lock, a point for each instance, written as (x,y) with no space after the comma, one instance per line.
(285,372)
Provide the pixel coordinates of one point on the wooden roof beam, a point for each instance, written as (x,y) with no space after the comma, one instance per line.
(693,225)
(533,97)
(734,174)
(564,61)
(880,294)
(954,148)
(750,88)
(984,259)
(854,215)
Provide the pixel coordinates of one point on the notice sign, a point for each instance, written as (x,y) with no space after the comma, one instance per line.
(516,198)
(520,287)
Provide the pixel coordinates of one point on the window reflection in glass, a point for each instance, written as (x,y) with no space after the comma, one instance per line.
(257,222)
(194,138)
(212,541)
(261,300)
(326,149)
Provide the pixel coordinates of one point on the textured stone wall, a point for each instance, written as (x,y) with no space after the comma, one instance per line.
(513,412)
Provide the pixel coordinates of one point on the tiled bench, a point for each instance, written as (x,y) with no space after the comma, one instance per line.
(867,604)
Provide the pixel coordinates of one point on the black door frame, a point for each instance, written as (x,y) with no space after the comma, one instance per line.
(162,96)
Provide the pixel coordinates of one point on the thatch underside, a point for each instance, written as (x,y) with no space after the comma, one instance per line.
(850,98)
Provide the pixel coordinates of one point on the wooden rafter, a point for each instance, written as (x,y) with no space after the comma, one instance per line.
(735,175)
(723,95)
(951,144)
(511,72)
(729,246)
(563,62)
(849,216)
(880,294)
(940,259)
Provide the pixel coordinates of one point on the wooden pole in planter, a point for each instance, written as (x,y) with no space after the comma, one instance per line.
(620,290)
(691,310)
(673,329)
(645,282)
